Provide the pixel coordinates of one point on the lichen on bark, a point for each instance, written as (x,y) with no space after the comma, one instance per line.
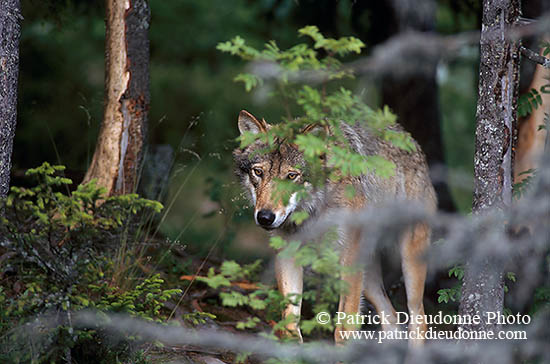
(483,288)
(10,31)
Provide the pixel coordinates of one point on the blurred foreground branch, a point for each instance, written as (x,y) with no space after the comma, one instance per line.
(363,351)
(406,53)
(462,236)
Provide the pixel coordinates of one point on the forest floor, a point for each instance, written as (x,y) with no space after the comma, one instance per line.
(199,297)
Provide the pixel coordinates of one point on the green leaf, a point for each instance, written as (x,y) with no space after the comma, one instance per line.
(299,217)
(529,102)
(230,269)
(215,280)
(311,145)
(290,250)
(257,304)
(457,271)
(250,81)
(233,299)
(250,323)
(443,295)
(276,242)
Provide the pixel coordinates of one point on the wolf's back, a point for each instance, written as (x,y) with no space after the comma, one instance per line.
(411,179)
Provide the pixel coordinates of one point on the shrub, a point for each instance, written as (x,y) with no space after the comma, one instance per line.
(63,248)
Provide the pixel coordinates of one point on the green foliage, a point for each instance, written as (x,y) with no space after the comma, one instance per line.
(197,317)
(446,295)
(327,106)
(230,271)
(145,300)
(529,102)
(241,358)
(323,109)
(541,300)
(263,298)
(321,291)
(510,276)
(64,248)
(449,294)
(299,216)
(520,188)
(457,271)
(250,323)
(57,231)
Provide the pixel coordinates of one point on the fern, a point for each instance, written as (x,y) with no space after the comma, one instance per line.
(520,188)
(529,102)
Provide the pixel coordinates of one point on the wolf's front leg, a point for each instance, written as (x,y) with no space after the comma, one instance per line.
(290,282)
(350,300)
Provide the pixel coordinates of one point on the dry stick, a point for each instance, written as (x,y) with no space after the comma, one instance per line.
(175,241)
(191,124)
(175,197)
(166,211)
(198,270)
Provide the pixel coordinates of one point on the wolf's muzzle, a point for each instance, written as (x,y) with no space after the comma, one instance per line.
(265,218)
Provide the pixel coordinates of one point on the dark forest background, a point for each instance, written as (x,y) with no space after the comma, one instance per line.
(206,225)
(195,103)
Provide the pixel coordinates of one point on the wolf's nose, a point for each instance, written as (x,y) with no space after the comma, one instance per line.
(265,217)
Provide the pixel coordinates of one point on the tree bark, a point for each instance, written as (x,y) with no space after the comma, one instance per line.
(119,150)
(496,133)
(10,31)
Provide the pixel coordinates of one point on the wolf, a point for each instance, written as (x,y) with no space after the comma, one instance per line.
(258,172)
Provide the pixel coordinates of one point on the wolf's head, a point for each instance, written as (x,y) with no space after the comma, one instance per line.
(259,172)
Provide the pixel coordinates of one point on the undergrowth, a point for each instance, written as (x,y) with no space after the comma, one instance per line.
(63,255)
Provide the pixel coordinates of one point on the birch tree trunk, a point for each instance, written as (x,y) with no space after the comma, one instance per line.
(119,150)
(10,15)
(483,287)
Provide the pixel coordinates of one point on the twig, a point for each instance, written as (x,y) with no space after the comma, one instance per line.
(537,58)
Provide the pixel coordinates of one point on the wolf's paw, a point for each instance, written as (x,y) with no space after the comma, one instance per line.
(339,339)
(291,332)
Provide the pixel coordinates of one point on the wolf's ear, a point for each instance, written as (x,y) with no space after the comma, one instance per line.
(248,122)
(316,128)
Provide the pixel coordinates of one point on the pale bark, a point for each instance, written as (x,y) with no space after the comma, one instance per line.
(532,139)
(10,16)
(117,158)
(483,288)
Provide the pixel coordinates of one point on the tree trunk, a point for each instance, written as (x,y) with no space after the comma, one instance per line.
(483,287)
(118,154)
(10,15)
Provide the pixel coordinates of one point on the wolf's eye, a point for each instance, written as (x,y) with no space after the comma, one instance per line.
(292,175)
(258,172)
